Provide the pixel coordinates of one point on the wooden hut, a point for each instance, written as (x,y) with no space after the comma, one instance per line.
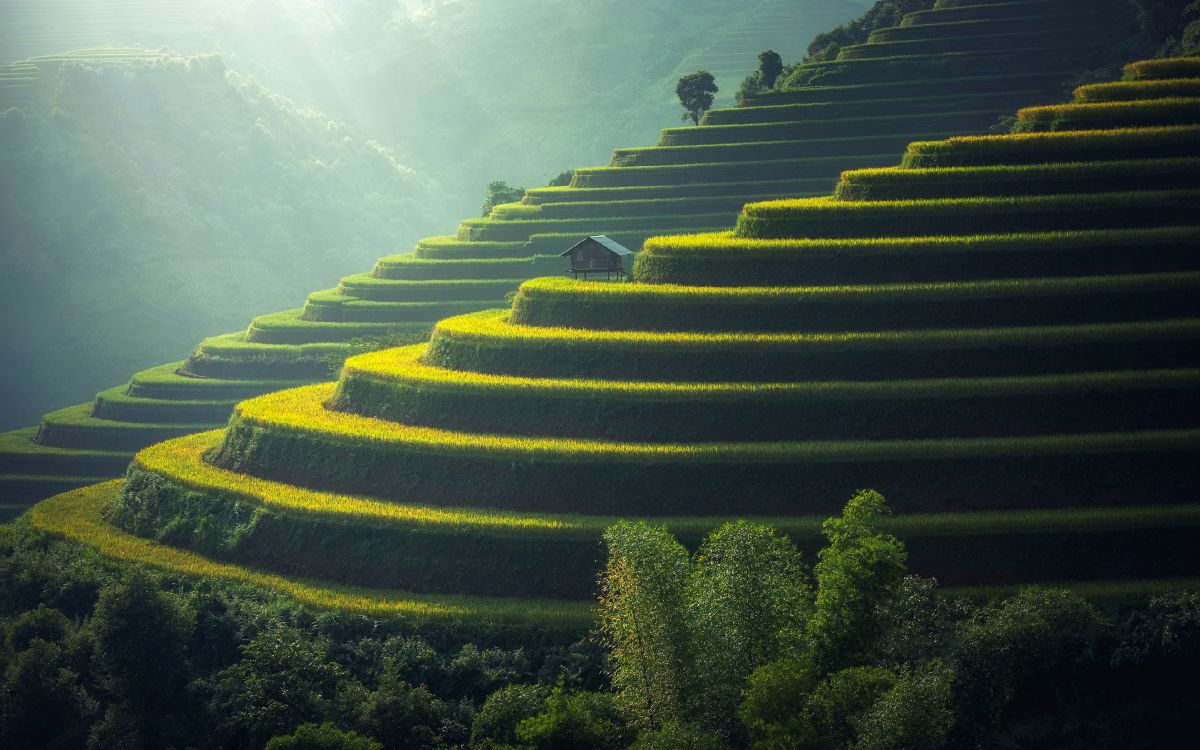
(597,254)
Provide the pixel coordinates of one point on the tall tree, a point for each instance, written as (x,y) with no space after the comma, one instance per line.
(141,649)
(770,65)
(748,589)
(695,92)
(857,574)
(643,592)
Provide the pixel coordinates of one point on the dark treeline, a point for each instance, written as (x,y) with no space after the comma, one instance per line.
(741,644)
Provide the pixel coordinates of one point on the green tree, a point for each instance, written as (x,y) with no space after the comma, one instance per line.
(575,721)
(1032,645)
(499,191)
(858,575)
(141,653)
(834,709)
(46,623)
(675,736)
(915,714)
(748,588)
(770,65)
(643,621)
(562,180)
(282,681)
(403,717)
(42,704)
(496,722)
(695,92)
(322,737)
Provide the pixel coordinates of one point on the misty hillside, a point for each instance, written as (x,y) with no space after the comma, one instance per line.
(170,197)
(465,91)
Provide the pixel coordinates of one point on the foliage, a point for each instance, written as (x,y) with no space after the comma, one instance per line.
(563,179)
(855,573)
(141,652)
(1038,643)
(882,14)
(763,78)
(281,681)
(575,721)
(770,65)
(644,621)
(747,592)
(695,92)
(675,736)
(914,714)
(496,722)
(322,737)
(499,191)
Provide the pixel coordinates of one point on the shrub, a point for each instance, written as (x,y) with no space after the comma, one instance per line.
(322,737)
(496,722)
(499,191)
(575,721)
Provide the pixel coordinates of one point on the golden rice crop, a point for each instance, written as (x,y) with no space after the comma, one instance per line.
(724,243)
(302,411)
(76,516)
(403,365)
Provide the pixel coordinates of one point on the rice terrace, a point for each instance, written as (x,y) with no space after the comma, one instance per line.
(856,405)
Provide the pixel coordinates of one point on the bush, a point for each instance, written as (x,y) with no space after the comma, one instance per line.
(499,191)
(575,721)
(497,720)
(322,737)
(675,736)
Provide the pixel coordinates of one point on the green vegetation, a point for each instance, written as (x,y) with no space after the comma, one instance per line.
(77,517)
(695,92)
(737,645)
(499,191)
(237,661)
(1032,148)
(883,13)
(827,218)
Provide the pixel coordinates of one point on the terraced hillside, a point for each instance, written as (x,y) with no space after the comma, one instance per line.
(734,53)
(793,143)
(1000,334)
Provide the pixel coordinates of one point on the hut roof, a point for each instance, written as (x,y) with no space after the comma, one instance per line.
(599,239)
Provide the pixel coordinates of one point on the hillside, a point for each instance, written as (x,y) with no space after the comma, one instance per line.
(169,197)
(449,86)
(787,143)
(998,333)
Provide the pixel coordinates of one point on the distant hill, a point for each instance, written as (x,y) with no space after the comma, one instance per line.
(457,87)
(171,197)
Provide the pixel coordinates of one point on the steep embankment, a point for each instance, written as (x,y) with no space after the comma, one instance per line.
(1000,334)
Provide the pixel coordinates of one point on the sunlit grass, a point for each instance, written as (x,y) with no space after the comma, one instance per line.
(76,516)
(718,244)
(403,366)
(1172,110)
(303,411)
(491,327)
(1172,67)
(1135,90)
(1057,146)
